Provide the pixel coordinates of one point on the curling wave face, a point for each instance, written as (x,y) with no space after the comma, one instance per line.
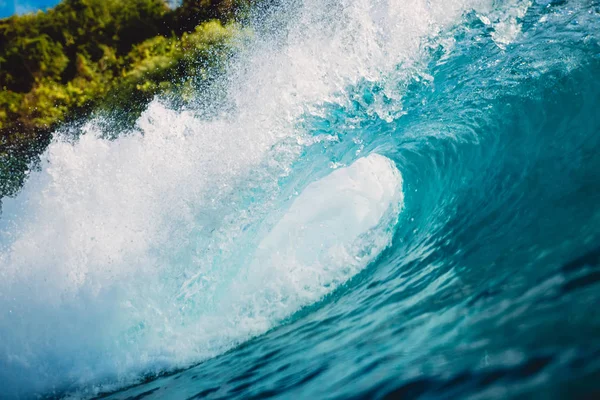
(400,198)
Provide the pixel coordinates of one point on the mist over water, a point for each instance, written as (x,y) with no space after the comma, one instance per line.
(392,198)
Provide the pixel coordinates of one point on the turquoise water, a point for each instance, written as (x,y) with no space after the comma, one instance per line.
(401,201)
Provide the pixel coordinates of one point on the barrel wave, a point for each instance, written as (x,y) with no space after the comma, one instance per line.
(379,199)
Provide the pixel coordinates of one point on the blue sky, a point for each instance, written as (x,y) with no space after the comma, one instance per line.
(10,7)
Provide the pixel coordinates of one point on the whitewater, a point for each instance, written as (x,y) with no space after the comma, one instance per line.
(377,199)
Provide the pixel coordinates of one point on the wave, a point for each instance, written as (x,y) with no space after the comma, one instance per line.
(415,173)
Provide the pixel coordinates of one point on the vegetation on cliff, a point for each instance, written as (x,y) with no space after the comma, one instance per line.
(85,55)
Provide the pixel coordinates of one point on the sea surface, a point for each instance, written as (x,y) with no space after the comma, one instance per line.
(379,199)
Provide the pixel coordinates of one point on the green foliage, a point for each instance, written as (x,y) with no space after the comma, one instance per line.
(192,12)
(86,55)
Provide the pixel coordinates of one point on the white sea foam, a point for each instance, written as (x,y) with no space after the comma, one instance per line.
(333,229)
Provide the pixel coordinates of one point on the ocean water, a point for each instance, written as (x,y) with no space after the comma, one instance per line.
(380,199)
